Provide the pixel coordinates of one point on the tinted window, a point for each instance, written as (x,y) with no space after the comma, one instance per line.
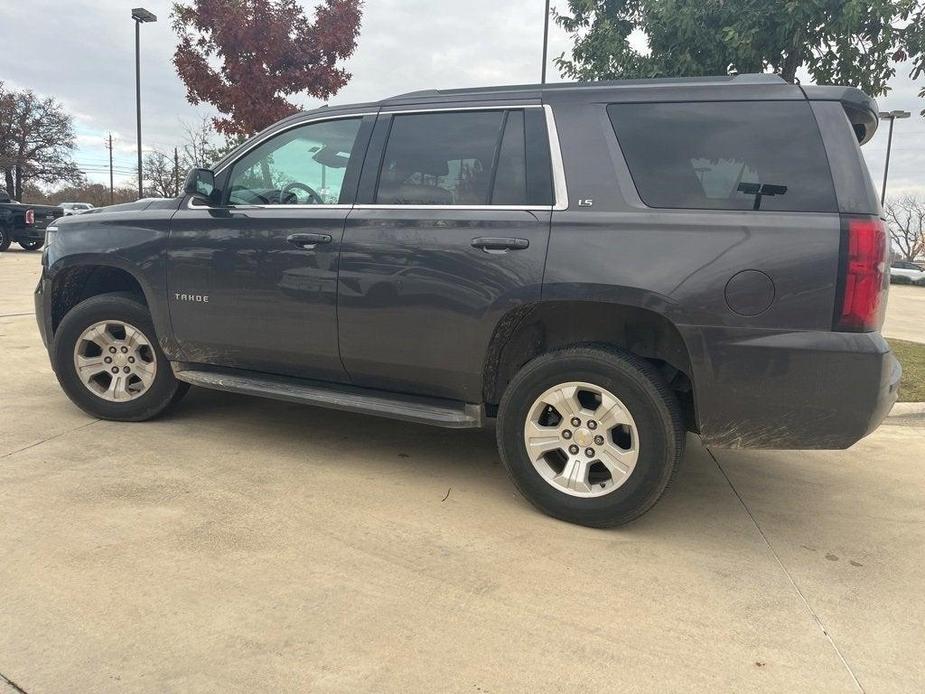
(302,166)
(440,158)
(725,155)
(511,177)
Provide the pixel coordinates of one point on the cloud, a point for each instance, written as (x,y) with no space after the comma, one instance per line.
(86,60)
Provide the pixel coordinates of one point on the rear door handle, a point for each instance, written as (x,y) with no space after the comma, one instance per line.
(491,244)
(308,241)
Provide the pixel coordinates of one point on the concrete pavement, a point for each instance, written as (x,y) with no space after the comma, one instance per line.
(241,544)
(905,315)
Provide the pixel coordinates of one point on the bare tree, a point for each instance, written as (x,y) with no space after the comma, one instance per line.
(203,146)
(160,175)
(198,150)
(906,220)
(36,141)
(97,194)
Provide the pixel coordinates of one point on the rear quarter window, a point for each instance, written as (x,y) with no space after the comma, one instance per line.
(761,155)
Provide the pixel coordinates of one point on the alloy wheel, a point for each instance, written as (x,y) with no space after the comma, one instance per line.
(115,361)
(581,439)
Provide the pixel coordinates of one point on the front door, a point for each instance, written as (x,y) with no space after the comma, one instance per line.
(253,282)
(450,237)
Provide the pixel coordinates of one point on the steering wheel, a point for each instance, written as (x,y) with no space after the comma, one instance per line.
(313,197)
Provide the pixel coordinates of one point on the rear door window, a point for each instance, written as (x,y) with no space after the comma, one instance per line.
(440,158)
(492,157)
(761,155)
(510,186)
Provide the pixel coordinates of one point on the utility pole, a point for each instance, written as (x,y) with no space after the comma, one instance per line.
(545,42)
(111,188)
(176,170)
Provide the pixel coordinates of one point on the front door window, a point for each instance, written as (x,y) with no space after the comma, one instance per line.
(302,166)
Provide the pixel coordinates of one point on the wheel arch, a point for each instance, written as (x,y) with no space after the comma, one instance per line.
(78,281)
(541,327)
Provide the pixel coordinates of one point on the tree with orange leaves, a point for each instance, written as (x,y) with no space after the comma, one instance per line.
(245,57)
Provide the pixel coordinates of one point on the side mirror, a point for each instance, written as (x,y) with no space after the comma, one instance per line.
(199,182)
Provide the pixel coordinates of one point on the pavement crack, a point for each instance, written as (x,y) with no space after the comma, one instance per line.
(16,315)
(15,686)
(812,612)
(50,438)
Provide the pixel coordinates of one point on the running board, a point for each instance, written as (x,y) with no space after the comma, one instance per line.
(410,408)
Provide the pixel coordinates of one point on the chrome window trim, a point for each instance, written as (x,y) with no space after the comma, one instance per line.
(389,206)
(256,143)
(560,189)
(245,208)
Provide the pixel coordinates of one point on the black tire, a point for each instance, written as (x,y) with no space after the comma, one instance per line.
(32,245)
(652,405)
(164,391)
(5,238)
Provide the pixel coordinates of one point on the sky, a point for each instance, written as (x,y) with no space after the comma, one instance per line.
(84,57)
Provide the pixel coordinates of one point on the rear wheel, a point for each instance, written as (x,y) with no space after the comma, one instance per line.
(590,435)
(5,238)
(107,360)
(32,245)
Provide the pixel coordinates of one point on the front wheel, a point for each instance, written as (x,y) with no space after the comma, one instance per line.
(590,435)
(32,244)
(107,360)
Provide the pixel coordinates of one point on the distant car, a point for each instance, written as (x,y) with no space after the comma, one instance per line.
(24,224)
(905,272)
(75,207)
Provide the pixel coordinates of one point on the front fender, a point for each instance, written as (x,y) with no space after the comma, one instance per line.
(134,242)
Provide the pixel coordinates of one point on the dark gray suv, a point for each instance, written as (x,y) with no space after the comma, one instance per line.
(600,268)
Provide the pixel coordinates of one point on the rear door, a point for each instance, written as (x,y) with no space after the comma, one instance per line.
(253,282)
(449,233)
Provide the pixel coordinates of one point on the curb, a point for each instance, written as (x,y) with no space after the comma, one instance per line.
(905,412)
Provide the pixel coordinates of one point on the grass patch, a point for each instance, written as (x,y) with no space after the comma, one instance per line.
(912,356)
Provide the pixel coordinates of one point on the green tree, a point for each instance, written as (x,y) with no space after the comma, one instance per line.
(856,42)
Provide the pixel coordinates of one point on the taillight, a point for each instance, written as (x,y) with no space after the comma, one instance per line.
(862,274)
(30,217)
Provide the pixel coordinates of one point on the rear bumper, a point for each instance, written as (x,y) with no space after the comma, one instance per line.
(30,234)
(800,390)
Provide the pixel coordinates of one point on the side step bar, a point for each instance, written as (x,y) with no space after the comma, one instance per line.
(435,411)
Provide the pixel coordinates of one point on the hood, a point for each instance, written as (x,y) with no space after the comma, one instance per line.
(137,206)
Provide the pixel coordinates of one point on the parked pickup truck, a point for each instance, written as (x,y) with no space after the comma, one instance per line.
(598,269)
(24,224)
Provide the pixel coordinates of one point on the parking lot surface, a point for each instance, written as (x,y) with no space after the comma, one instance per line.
(243,544)
(905,316)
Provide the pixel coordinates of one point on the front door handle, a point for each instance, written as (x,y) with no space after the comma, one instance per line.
(308,241)
(491,244)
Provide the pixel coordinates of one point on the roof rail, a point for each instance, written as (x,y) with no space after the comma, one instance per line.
(748,78)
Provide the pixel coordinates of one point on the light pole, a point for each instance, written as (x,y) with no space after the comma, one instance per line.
(545,43)
(140,15)
(891,116)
